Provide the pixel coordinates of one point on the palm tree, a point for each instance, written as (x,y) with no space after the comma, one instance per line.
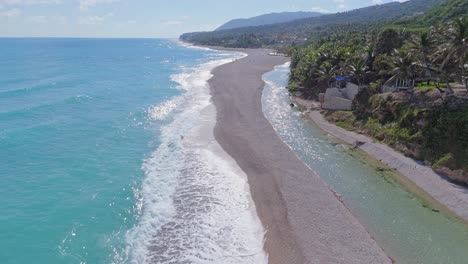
(388,40)
(402,66)
(370,55)
(358,69)
(296,56)
(423,45)
(326,72)
(456,48)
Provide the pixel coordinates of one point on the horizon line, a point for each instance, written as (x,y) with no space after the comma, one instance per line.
(52,37)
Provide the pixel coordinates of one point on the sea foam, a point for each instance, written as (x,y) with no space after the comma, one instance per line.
(196,202)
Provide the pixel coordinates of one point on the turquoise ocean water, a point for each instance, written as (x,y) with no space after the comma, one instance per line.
(91,155)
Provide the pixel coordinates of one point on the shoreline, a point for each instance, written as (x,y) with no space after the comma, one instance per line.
(204,136)
(419,178)
(199,187)
(304,220)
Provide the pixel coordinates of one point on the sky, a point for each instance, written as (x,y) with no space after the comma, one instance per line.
(143,18)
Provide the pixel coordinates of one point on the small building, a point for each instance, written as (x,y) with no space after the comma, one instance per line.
(398,85)
(340,95)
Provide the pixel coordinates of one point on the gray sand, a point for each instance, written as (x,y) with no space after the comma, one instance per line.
(305,221)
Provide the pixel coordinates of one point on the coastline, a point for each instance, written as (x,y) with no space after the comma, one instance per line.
(196,200)
(304,220)
(422,179)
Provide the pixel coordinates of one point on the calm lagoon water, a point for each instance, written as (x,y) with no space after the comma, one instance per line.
(402,224)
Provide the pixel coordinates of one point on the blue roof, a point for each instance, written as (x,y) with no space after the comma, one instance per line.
(341,78)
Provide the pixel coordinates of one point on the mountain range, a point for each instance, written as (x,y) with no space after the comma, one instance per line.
(300,30)
(268,19)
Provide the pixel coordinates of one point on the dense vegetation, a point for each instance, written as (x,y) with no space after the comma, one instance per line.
(437,135)
(445,12)
(304,30)
(437,55)
(429,121)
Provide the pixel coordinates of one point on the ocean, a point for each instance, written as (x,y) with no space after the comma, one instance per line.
(107,156)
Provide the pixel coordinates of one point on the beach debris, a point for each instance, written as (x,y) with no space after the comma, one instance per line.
(380,169)
(358,144)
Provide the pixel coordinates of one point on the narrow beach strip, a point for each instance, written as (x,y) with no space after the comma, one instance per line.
(304,221)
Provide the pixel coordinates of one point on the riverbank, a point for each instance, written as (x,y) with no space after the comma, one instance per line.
(449,195)
(304,220)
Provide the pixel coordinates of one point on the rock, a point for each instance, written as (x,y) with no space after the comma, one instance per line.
(333,100)
(359,143)
(351,91)
(339,99)
(333,92)
(459,176)
(337,103)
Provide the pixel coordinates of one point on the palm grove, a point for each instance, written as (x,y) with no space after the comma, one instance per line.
(436,57)
(427,122)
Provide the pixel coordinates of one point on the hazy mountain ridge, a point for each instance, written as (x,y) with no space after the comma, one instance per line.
(267,19)
(299,31)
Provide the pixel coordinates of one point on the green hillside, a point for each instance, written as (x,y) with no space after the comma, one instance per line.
(301,31)
(445,12)
(268,19)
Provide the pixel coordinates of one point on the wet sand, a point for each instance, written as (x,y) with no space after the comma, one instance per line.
(305,222)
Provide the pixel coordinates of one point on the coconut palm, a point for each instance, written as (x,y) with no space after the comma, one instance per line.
(326,72)
(388,40)
(422,45)
(370,55)
(358,69)
(402,66)
(455,50)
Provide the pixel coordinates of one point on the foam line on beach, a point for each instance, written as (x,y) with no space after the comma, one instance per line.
(196,205)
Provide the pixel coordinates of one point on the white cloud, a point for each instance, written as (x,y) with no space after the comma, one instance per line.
(378,2)
(319,9)
(61,20)
(87,4)
(58,20)
(340,3)
(11,13)
(172,23)
(27,2)
(37,19)
(93,20)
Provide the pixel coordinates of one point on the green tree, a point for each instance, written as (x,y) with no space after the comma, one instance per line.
(388,41)
(455,48)
(357,68)
(326,72)
(403,66)
(422,45)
